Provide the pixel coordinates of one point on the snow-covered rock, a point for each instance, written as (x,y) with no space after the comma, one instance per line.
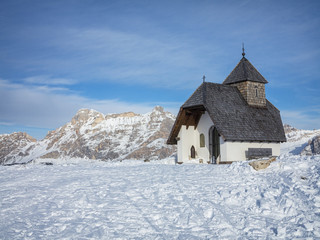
(93,135)
(261,163)
(313,147)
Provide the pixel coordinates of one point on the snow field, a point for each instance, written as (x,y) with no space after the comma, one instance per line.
(136,200)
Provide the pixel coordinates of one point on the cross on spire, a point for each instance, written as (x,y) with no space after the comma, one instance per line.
(243,53)
(204,78)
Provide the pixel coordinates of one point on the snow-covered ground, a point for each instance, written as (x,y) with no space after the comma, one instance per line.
(84,199)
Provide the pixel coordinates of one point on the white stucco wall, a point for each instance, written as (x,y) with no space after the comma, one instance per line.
(187,139)
(236,151)
(223,150)
(179,147)
(191,136)
(203,127)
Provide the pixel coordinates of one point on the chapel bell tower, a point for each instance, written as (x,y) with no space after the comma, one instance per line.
(249,81)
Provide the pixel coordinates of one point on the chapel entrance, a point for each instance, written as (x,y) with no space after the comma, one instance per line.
(214,144)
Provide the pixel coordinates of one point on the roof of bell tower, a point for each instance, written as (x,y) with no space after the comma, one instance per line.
(244,71)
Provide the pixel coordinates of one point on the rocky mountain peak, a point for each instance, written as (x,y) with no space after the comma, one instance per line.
(288,128)
(84,115)
(87,116)
(158,109)
(159,113)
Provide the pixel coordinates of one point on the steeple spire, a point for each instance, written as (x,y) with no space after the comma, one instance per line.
(243,53)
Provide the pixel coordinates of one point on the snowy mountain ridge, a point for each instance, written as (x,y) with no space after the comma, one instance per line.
(93,135)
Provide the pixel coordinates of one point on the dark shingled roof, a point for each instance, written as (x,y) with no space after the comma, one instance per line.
(244,71)
(196,98)
(234,119)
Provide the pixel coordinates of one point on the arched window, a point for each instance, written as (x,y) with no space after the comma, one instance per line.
(193,152)
(202,141)
(256,91)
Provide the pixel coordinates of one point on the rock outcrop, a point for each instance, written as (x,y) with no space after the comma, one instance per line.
(313,147)
(261,164)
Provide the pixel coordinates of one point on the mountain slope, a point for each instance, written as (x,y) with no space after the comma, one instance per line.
(92,135)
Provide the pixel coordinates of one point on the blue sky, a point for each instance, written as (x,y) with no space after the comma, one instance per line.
(115,56)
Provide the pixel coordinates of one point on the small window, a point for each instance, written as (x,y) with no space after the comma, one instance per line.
(193,152)
(256,91)
(202,141)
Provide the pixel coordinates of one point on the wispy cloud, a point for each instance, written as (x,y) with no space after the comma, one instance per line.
(302,119)
(6,123)
(106,54)
(9,86)
(49,80)
(122,56)
(46,108)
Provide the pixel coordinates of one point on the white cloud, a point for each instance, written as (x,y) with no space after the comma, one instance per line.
(45,107)
(96,54)
(49,80)
(6,123)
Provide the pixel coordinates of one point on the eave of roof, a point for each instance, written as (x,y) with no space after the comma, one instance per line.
(189,116)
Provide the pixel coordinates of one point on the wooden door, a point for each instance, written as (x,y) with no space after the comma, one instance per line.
(214,144)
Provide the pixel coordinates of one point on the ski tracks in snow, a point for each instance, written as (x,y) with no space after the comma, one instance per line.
(154,201)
